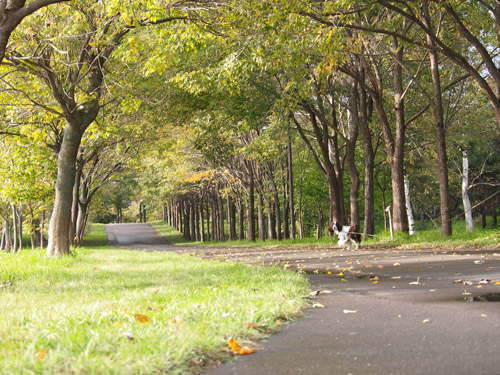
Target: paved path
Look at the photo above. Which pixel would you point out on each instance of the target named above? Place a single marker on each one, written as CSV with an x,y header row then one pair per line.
x,y
397,311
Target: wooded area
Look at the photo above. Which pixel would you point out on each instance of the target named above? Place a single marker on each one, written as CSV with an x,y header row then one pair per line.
x,y
247,119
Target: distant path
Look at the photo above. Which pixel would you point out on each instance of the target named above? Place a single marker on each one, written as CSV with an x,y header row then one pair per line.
x,y
135,235
388,311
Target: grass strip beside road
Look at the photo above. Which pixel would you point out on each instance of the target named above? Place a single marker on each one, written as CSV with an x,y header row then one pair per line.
x,y
108,311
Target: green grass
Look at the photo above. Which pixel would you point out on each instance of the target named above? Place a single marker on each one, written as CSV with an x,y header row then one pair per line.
x,y
489,237
80,310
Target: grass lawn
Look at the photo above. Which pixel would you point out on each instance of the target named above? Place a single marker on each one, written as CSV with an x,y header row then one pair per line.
x,y
107,311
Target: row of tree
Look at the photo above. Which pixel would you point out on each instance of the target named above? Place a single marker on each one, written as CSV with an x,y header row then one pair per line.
x,y
254,100
371,88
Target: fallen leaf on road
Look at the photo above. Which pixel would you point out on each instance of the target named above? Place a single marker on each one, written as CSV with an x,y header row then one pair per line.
x,y
497,283
396,264
467,282
426,321
350,311
317,305
314,293
415,282
457,281
236,348
484,281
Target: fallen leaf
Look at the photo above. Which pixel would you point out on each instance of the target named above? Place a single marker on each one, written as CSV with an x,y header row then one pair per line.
x,y
350,311
236,348
467,282
340,274
278,323
343,280
317,305
374,278
251,325
286,266
415,282
497,283
314,293
396,264
325,291
426,321
484,281
457,281
142,318
40,355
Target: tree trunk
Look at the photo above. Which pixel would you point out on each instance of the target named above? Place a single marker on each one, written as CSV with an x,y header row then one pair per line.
x,y
409,209
469,223
260,216
444,191
222,231
60,220
400,220
241,220
251,209
231,216
291,203
81,222
75,206
202,221
369,163
192,219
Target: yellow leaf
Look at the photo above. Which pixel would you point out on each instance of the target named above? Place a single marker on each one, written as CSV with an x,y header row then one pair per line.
x,y
40,355
142,318
236,348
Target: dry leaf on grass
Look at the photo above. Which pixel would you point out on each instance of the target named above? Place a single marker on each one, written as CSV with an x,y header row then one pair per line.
x,y
40,355
251,325
236,348
142,318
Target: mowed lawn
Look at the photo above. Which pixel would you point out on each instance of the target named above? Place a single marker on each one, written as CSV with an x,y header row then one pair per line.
x,y
107,311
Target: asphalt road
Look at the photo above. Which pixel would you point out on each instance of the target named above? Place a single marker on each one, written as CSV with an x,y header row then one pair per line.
x,y
385,311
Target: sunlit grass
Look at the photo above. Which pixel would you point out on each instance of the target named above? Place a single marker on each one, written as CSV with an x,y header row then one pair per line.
x,y
76,314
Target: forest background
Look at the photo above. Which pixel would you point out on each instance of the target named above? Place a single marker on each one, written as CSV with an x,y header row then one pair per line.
x,y
247,119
